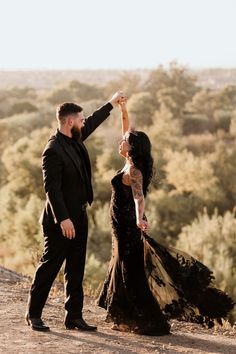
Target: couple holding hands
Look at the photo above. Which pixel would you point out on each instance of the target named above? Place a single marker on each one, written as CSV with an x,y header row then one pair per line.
x,y
147,284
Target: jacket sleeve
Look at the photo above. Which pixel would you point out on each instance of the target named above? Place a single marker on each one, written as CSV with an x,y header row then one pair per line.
x,y
93,121
52,179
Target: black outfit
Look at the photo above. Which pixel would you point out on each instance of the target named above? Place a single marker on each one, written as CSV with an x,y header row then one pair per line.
x,y
147,284
67,181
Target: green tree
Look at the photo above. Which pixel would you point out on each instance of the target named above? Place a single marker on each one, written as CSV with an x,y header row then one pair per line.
x,y
106,166
23,164
232,128
20,125
85,92
174,87
99,241
168,211
130,83
141,108
200,144
191,174
22,199
196,123
22,93
227,98
204,102
61,95
22,107
164,133
223,162
212,240
95,272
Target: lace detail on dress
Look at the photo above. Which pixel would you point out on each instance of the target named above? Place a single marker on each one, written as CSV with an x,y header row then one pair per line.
x,y
147,284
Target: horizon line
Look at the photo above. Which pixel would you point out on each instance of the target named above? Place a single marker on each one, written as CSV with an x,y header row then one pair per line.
x,y
119,69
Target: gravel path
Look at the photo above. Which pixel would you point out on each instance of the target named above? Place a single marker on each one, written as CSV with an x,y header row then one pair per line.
x,y
17,338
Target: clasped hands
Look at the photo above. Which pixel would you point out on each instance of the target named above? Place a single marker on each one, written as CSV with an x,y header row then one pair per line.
x,y
118,98
67,227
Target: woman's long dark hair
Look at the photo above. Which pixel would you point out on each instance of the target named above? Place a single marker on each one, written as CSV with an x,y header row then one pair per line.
x,y
140,152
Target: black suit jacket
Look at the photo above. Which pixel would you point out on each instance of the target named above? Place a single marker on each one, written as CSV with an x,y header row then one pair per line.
x,y
63,173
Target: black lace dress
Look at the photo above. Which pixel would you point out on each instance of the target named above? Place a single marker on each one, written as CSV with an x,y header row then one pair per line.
x,y
147,284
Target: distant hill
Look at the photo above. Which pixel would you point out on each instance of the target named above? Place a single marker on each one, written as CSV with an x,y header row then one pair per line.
x,y
216,78
46,79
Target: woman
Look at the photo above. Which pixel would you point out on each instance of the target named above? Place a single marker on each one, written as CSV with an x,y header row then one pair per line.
x,y
147,284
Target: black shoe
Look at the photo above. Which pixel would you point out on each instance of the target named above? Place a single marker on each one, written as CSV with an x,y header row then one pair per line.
x,y
79,324
36,324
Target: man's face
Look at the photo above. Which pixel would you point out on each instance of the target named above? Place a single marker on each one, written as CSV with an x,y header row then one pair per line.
x,y
78,123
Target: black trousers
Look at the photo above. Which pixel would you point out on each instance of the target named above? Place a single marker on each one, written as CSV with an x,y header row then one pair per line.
x,y
57,250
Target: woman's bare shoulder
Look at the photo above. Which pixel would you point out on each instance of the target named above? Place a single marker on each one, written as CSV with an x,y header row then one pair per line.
x,y
134,172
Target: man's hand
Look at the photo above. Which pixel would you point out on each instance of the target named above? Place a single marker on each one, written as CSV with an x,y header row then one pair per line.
x,y
68,229
117,98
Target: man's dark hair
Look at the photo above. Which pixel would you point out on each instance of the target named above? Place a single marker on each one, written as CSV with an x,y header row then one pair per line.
x,y
67,108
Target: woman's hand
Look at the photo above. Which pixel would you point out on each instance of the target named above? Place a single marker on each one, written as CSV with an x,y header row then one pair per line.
x,y
143,225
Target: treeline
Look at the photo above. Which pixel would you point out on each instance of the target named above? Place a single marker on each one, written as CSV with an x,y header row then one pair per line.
x,y
191,204
45,79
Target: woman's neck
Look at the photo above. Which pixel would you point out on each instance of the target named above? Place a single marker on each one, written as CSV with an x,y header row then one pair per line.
x,y
128,163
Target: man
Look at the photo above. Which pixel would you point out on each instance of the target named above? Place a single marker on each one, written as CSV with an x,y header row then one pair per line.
x,y
67,182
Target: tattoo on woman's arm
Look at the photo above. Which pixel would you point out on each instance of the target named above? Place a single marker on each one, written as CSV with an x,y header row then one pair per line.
x,y
136,180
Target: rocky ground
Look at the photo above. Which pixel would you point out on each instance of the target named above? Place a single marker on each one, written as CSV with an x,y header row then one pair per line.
x,y
17,338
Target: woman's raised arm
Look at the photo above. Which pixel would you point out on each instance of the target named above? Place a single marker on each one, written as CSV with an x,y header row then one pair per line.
x,y
124,117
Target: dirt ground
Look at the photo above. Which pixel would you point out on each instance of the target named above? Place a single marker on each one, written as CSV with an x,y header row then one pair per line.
x,y
17,338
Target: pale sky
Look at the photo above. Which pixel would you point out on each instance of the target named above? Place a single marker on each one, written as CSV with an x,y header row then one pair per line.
x,y
124,34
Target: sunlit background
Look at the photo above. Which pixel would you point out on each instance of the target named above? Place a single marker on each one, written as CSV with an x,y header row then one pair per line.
x,y
176,60
69,34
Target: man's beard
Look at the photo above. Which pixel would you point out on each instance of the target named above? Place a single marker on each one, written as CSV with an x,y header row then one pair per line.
x,y
76,133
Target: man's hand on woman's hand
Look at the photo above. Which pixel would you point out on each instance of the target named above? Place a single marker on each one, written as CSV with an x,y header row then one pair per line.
x,y
68,229
118,98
